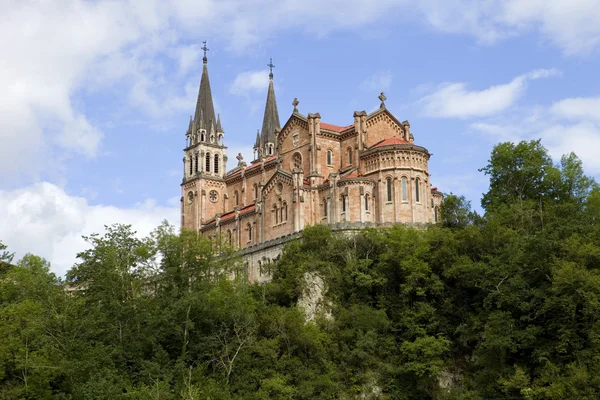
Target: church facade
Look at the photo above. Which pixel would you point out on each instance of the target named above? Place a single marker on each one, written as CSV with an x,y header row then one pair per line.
x,y
306,172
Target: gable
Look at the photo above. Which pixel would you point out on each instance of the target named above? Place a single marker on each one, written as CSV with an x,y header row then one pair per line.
x,y
383,125
295,124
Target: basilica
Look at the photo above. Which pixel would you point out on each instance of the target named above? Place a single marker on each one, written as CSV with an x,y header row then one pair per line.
x,y
306,172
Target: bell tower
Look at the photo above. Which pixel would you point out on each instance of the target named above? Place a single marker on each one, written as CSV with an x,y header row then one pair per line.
x,y
204,160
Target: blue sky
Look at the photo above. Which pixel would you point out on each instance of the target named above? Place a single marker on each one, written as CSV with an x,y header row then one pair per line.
x,y
98,93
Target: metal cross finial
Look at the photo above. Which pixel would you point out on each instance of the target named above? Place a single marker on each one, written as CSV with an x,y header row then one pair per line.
x,y
383,99
205,50
271,66
295,104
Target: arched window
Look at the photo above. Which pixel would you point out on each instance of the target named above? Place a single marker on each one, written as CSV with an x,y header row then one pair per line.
x,y
249,227
284,212
417,190
297,161
203,136
349,155
255,191
389,188
207,166
196,169
229,237
191,165
329,157
216,163
325,207
236,198
404,194
275,211
367,202
343,203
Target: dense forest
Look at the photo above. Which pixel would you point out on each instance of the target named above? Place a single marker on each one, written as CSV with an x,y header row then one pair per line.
x,y
503,305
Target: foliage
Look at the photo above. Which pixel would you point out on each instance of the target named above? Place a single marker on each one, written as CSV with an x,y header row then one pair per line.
x,y
502,305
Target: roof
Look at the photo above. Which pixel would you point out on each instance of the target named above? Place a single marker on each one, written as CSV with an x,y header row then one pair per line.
x,y
335,128
390,142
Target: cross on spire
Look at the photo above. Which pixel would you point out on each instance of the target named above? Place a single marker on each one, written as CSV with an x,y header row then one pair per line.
x,y
205,50
271,66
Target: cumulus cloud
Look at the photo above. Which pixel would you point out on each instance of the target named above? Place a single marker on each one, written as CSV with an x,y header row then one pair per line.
x,y
568,125
379,81
45,220
569,24
454,100
578,108
250,82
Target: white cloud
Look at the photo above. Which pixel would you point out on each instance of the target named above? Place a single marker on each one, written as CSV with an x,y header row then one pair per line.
x,y
582,138
572,25
44,220
569,125
250,82
578,108
454,100
378,82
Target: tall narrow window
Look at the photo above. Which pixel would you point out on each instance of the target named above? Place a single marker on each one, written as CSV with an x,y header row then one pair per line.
x,y
297,160
216,163
249,232
229,237
276,215
417,190
389,189
435,214
325,207
207,166
367,202
255,191
329,157
191,165
236,198
203,136
349,156
404,194
285,214
196,169
343,203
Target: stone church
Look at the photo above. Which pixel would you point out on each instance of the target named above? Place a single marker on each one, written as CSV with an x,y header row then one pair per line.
x,y
306,172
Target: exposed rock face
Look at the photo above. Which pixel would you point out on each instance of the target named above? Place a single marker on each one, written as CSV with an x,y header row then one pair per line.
x,y
312,301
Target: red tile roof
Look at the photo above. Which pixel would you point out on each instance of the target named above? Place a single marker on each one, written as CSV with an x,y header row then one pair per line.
x,y
353,174
389,142
231,214
335,128
252,166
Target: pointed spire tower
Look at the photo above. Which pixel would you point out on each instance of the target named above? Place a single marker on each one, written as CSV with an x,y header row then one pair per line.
x,y
204,116
270,119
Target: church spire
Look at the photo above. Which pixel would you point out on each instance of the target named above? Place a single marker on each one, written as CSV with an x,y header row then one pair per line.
x,y
205,111
271,117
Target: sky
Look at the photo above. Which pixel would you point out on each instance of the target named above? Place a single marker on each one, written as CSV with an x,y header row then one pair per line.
x,y
96,95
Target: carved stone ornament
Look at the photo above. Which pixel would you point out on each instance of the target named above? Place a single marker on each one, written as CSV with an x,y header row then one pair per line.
x,y
190,196
295,140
